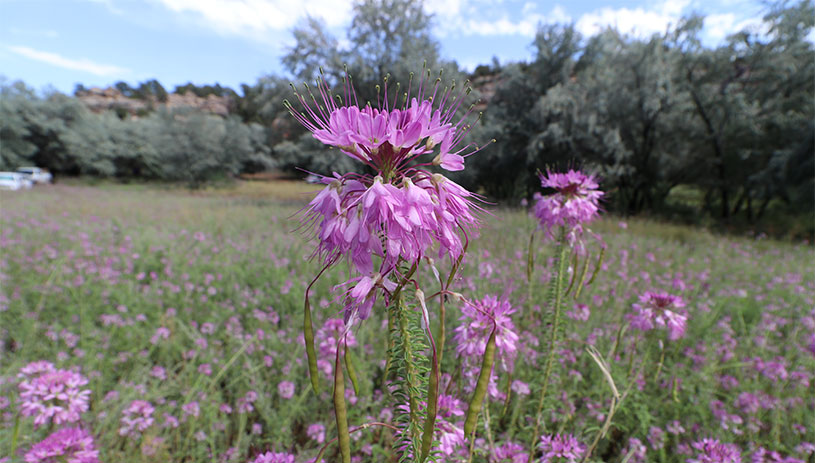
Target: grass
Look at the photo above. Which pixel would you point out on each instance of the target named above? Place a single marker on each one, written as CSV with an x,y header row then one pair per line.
x,y
91,274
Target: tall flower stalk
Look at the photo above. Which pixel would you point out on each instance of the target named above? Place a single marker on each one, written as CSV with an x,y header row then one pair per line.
x,y
392,215
562,217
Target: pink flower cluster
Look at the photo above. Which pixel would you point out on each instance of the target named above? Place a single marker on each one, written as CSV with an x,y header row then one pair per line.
x,y
137,417
477,320
401,213
274,457
662,310
70,445
450,425
49,394
575,203
713,451
561,448
328,337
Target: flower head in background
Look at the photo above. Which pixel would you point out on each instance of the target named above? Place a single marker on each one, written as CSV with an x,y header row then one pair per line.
x,y
561,448
274,457
316,431
399,211
477,321
54,395
136,418
509,452
71,445
286,389
713,451
35,369
660,310
574,204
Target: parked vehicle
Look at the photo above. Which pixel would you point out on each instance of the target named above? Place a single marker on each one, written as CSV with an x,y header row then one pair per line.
x,y
14,181
36,174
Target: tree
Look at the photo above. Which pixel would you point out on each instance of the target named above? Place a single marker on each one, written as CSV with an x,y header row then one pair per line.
x,y
314,48
18,106
752,100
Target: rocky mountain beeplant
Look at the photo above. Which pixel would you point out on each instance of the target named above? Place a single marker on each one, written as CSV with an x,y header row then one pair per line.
x,y
387,220
563,216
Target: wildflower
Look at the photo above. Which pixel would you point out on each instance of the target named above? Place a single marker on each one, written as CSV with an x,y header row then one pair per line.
x,y
713,451
401,211
520,387
274,457
561,448
54,395
581,312
36,369
191,409
286,389
636,451
509,452
654,310
158,373
763,455
477,323
72,445
137,417
170,421
574,204
316,431
656,437
327,337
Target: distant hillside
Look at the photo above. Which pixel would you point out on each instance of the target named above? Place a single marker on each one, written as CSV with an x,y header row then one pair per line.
x,y
100,100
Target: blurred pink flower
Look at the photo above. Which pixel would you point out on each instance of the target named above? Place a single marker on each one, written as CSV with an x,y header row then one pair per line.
x,y
54,395
71,445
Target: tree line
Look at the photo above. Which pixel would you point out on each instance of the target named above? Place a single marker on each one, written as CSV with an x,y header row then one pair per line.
x,y
666,121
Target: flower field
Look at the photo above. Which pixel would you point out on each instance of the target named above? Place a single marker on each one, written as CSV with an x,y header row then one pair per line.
x,y
140,324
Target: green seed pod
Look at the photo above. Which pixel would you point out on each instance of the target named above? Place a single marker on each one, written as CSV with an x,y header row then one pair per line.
x,y
481,387
352,374
597,266
308,335
341,413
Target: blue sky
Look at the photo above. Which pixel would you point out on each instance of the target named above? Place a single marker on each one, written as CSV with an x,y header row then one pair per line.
x,y
60,43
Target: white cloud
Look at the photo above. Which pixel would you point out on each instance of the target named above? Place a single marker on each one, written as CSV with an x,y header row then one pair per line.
x,y
256,19
639,22
527,26
719,26
82,64
643,23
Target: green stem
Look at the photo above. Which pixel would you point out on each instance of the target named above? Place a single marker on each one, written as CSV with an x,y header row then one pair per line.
x,y
432,410
530,269
340,411
14,434
308,337
411,380
558,289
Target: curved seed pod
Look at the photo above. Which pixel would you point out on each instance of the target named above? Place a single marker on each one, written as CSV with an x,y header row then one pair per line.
x,y
308,332
597,266
582,277
352,374
481,387
340,412
574,273
308,335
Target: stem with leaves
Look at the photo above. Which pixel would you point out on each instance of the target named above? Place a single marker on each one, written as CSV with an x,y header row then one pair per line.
x,y
557,288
